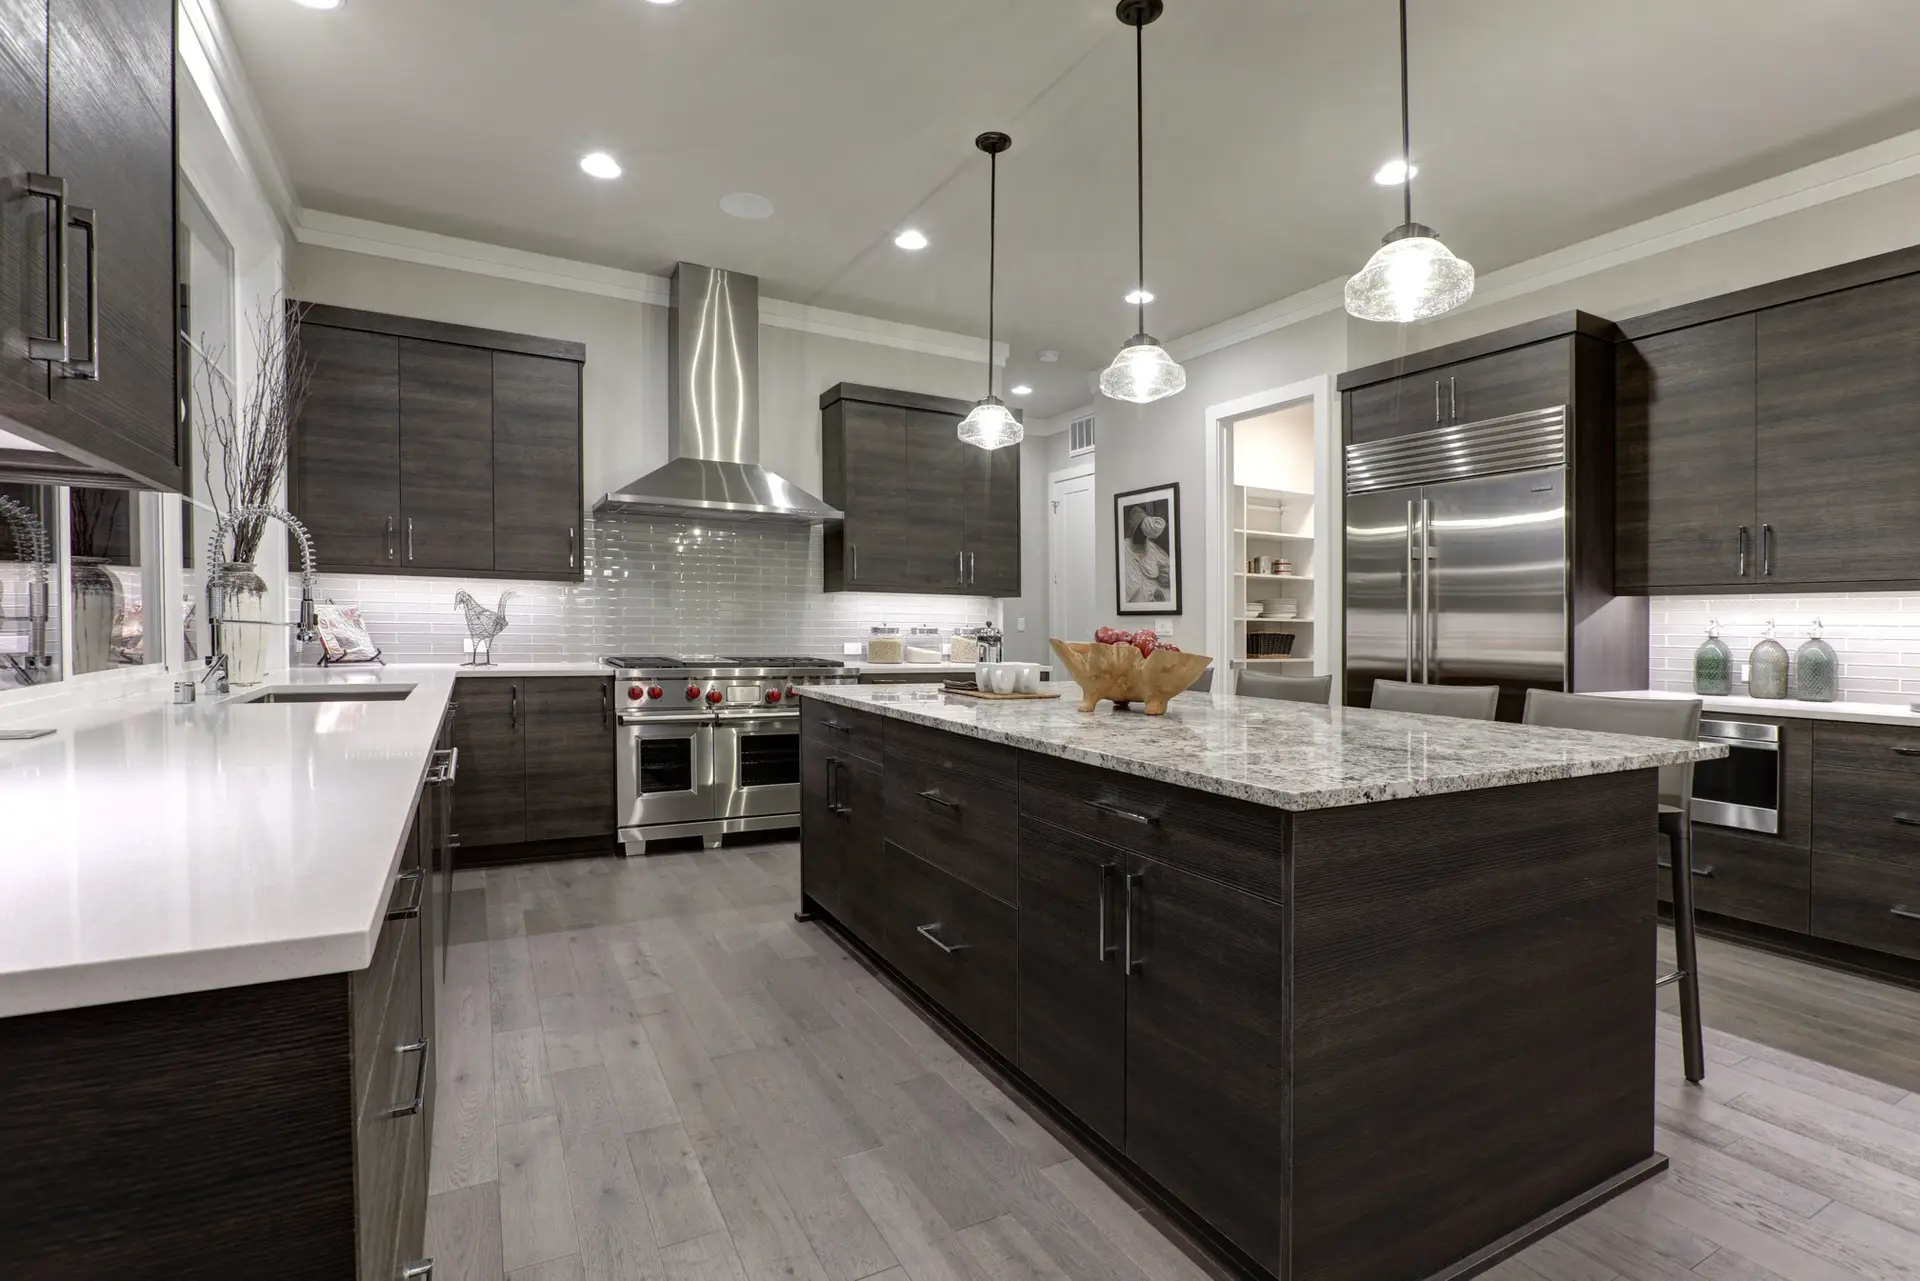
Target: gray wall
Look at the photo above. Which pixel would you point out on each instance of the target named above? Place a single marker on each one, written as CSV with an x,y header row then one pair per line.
x,y
1039,456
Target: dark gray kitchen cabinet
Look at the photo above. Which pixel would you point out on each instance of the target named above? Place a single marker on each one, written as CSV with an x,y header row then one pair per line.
x,y
446,454
536,465
925,512
536,767
86,99
1684,458
428,448
1533,376
569,757
490,791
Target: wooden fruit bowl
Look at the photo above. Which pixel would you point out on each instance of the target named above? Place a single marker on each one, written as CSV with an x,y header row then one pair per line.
x,y
1118,674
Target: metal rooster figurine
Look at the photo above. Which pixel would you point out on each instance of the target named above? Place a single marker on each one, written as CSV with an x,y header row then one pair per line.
x,y
483,625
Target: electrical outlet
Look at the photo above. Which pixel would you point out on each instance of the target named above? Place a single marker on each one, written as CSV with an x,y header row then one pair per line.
x,y
851,649
1743,673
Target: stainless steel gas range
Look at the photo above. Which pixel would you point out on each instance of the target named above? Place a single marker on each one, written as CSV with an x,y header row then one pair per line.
x,y
710,745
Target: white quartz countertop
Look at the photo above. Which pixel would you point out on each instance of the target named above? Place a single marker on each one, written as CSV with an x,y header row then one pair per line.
x,y
1791,708
1288,755
153,849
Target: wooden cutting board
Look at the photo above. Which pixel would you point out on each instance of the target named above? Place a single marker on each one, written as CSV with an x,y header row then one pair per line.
x,y
968,691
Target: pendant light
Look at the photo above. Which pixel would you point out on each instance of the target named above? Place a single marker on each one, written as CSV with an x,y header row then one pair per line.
x,y
992,425
1412,276
1143,372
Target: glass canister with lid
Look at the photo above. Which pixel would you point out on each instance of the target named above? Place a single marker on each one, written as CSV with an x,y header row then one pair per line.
x,y
1816,669
923,644
1767,675
884,644
965,645
1713,664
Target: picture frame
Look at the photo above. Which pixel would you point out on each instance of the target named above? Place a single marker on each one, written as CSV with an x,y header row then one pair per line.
x,y
1146,551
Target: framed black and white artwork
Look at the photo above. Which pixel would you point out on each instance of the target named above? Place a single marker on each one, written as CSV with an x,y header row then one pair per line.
x,y
1146,528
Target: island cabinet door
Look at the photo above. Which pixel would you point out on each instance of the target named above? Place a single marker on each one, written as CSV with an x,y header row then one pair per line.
x,y
490,794
1072,992
864,897
1206,1021
822,829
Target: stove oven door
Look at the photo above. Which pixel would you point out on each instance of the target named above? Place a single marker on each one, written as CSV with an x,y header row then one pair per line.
x,y
756,764
665,771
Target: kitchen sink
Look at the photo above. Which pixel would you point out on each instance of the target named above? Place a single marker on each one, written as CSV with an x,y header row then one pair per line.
x,y
333,694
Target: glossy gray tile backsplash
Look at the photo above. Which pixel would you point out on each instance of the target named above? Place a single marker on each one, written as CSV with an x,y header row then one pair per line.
x,y
1875,634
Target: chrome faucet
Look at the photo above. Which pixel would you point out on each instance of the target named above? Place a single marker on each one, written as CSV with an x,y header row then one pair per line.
x,y
307,630
30,536
217,673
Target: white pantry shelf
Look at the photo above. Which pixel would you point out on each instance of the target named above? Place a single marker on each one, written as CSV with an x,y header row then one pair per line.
x,y
1282,578
1274,533
1262,618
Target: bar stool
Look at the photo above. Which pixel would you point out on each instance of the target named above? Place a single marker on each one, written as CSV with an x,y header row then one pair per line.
x,y
1288,689
1468,702
1653,718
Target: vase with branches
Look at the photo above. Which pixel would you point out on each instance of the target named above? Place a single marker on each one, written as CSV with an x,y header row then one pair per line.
x,y
244,435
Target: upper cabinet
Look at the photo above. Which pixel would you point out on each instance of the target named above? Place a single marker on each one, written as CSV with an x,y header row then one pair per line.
x,y
1765,439
925,512
87,275
1461,391
426,448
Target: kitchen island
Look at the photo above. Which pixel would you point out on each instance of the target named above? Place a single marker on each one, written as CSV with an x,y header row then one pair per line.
x,y
1356,996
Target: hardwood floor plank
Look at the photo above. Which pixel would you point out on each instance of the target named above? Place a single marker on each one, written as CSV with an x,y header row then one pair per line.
x,y
1553,1259
1899,1246
463,1233
1725,1265
638,1085
1634,1212
522,1085
552,957
536,1221
567,1269
1159,1259
609,1208
1708,1173
1005,1251
465,1148
678,1198
1798,1249
703,1258
1835,1126
913,1230
676,1045
569,1050
510,978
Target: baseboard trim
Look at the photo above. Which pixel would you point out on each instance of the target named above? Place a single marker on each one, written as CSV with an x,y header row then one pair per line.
x,y
1552,1221
471,856
1844,957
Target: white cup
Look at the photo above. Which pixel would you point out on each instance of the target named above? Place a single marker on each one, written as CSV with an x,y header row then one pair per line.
x,y
1026,678
1003,677
981,680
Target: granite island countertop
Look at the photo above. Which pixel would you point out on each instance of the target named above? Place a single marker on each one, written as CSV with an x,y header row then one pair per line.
x,y
152,849
1291,756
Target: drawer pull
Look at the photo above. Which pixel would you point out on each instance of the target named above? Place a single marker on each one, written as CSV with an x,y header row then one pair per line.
x,y
1106,807
419,1099
935,798
1704,873
1904,913
1907,820
931,933
418,877
844,729
1906,751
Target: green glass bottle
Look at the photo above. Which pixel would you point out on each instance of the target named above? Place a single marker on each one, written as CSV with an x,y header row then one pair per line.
x,y
1816,669
1767,675
1713,664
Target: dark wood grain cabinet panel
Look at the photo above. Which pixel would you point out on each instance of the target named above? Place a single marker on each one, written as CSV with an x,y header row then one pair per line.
x,y
865,462
1747,878
446,454
490,792
990,528
956,943
1838,474
1395,408
951,801
569,758
25,250
1684,455
937,494
346,451
1534,376
1867,902
536,465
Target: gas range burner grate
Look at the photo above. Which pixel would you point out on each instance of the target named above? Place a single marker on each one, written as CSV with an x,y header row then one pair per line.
x,y
783,661
642,660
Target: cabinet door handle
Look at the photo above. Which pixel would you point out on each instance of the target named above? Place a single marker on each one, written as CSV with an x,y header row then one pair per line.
x,y
1436,400
1906,751
934,798
1128,961
389,538
844,729
960,567
1740,544
513,707
1107,807
931,933
89,221
832,805
1106,909
1704,873
412,908
1907,820
972,577
422,1270
572,549
419,1099
603,704
409,540
52,346
856,562
1453,402
1766,551
1903,912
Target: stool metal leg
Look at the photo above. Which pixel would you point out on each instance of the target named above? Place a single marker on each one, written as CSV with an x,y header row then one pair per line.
x,y
1692,1039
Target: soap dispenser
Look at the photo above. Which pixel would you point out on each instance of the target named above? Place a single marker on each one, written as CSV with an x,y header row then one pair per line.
x,y
1713,664
1816,669
1767,675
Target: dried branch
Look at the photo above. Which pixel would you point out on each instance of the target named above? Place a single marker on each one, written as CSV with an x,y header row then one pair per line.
x,y
243,448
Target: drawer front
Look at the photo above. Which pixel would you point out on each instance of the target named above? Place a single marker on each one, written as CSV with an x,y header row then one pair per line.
x,y
394,1075
956,944
372,992
863,853
380,1177
1239,844
842,729
1840,747
1867,812
1747,879
957,810
1866,903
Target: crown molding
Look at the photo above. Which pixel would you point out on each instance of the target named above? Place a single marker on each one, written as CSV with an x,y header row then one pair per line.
x,y
431,249
1291,310
207,51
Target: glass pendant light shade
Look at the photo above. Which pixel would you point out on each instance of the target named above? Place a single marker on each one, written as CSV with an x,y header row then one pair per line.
x,y
1143,372
1412,276
991,425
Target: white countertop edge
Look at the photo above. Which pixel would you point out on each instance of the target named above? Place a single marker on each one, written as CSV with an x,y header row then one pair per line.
x,y
1791,708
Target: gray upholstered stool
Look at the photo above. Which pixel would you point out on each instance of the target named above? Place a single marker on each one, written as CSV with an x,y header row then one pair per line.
x,y
1469,702
1289,689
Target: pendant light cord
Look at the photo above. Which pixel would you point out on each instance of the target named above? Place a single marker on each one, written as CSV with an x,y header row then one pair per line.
x,y
1406,128
1140,158
993,250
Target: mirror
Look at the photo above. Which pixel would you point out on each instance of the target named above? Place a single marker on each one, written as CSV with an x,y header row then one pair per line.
x,y
29,554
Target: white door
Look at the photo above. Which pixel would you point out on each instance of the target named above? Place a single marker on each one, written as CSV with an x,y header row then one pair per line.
x,y
1073,611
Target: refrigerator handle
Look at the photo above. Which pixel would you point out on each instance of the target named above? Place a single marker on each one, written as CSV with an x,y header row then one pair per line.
x,y
1426,597
1413,633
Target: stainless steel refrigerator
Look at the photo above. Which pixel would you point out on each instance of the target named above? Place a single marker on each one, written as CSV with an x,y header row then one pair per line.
x,y
1461,562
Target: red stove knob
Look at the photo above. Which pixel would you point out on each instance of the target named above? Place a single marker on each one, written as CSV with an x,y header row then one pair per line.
x,y
715,696
773,696
633,692
655,692
790,691
693,692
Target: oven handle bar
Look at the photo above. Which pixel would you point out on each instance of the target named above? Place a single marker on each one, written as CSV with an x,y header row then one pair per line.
x,y
628,722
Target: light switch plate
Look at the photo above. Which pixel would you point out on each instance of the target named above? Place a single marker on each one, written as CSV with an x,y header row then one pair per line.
x,y
1020,623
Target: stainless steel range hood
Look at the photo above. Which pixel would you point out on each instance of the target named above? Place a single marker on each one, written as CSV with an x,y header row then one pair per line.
x,y
713,413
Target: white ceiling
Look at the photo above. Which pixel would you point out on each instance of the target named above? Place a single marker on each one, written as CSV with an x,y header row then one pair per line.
x,y
1535,125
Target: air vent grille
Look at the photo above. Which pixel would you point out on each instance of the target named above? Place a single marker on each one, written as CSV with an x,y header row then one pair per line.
x,y
1080,436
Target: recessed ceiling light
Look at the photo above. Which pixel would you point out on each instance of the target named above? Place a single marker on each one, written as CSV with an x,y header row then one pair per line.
x,y
320,4
1139,298
1021,390
744,204
663,1
1395,172
600,165
911,239
1049,356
